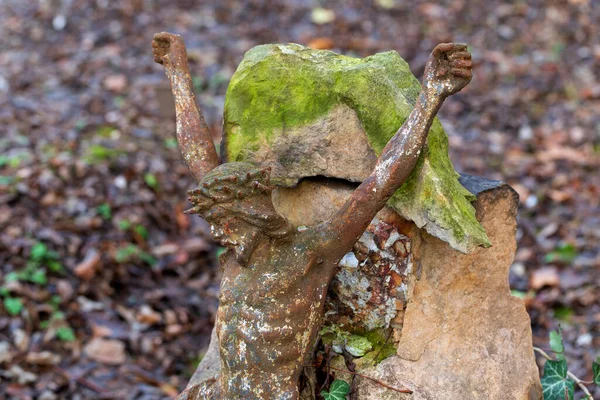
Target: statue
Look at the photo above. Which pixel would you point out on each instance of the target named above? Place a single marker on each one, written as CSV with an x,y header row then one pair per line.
x,y
275,277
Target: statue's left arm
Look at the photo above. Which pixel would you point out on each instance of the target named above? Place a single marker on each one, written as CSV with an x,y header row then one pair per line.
x,y
447,72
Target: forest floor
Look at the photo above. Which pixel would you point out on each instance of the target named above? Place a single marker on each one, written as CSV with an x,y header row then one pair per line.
x,y
109,291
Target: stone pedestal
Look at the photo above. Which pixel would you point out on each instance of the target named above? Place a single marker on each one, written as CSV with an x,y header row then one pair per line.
x,y
464,335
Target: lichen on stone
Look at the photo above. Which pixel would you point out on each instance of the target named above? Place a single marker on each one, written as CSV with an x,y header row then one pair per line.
x,y
278,89
370,348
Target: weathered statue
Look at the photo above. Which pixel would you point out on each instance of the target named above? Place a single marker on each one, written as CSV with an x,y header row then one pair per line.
x,y
275,277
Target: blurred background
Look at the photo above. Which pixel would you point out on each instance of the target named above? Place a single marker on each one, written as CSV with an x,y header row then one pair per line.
x,y
109,291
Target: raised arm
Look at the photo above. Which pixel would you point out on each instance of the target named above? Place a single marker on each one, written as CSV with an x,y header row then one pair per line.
x,y
447,72
195,142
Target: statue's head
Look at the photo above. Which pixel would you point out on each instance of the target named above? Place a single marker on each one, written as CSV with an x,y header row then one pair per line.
x,y
235,199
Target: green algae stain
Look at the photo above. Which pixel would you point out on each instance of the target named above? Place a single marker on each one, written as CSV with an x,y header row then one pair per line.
x,y
278,87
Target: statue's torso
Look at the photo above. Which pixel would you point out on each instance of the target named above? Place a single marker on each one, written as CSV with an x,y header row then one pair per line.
x,y
268,317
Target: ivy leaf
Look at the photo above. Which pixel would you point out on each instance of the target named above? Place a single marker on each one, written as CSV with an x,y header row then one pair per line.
x,y
151,180
104,210
12,277
556,343
13,305
38,276
142,231
124,225
147,258
55,266
596,370
337,391
65,334
39,251
555,384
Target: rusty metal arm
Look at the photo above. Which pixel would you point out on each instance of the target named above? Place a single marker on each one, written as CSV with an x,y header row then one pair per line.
x,y
395,164
448,71
193,136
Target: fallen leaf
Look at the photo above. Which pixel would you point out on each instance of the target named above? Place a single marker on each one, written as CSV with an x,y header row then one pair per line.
x,y
5,353
87,268
116,83
183,221
106,351
169,389
147,315
42,358
321,43
101,331
23,377
545,276
21,339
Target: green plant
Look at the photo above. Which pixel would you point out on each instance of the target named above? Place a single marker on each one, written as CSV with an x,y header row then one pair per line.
x,y
105,131
104,210
138,229
170,143
142,231
337,391
14,160
13,305
558,383
57,319
124,225
65,333
97,153
131,252
151,180
6,180
564,253
40,258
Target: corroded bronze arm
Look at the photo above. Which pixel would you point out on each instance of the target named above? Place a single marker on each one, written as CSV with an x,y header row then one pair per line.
x,y
194,139
447,72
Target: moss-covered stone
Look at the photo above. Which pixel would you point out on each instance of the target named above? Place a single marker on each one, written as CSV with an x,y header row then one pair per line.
x,y
278,88
370,348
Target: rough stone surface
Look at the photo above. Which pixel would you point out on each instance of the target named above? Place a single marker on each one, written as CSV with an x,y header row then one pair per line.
x,y
330,146
464,335
210,365
316,113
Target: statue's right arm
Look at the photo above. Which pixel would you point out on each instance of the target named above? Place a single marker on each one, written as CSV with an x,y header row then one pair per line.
x,y
193,136
448,71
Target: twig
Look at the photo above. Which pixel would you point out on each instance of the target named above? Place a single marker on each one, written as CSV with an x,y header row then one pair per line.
x,y
385,344
578,381
82,381
364,376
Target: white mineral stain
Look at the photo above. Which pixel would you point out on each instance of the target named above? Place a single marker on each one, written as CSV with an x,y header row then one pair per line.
x,y
349,261
394,237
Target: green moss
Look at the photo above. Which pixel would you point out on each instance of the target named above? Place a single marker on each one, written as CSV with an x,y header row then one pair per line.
x,y
383,346
277,87
371,348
